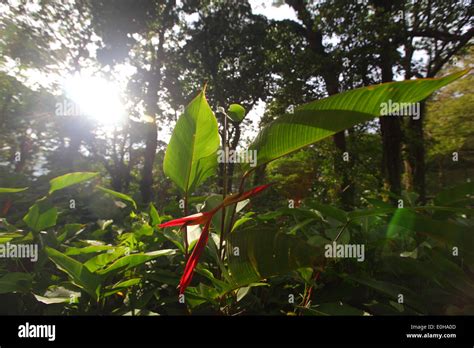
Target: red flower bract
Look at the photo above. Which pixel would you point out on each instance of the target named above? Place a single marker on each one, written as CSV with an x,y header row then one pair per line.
x,y
196,219
194,258
205,219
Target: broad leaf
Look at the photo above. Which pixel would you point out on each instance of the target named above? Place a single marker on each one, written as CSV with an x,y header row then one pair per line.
x,y
263,252
121,286
91,249
154,216
80,275
37,220
134,260
191,156
102,260
67,180
320,119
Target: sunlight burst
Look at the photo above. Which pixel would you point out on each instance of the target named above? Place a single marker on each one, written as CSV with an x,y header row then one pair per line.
x,y
97,98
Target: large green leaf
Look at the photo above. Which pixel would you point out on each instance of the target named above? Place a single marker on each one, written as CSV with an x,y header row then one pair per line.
x,y
69,179
80,275
118,195
37,220
319,119
134,260
264,252
102,260
191,156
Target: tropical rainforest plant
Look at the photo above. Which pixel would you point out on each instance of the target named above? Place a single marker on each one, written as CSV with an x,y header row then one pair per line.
x,y
135,268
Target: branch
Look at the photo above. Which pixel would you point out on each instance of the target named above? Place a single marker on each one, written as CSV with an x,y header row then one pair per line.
x,y
462,42
440,35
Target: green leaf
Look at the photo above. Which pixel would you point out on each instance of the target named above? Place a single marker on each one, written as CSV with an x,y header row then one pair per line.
x,y
37,220
242,292
134,260
264,252
320,119
140,230
70,231
121,286
67,180
80,275
91,249
15,282
100,261
191,156
154,216
119,195
12,190
236,112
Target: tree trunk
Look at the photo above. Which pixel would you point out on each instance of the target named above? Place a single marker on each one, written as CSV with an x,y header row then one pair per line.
x,y
416,153
233,146
151,144
151,139
330,76
391,153
390,125
347,186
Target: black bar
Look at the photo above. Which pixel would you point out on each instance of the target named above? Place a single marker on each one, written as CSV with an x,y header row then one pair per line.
x,y
136,331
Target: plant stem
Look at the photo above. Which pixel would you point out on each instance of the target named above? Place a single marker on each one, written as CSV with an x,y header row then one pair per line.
x,y
224,188
307,296
185,227
342,230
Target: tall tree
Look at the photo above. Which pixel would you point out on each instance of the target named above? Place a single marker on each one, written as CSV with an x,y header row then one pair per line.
x,y
393,37
441,28
331,66
136,32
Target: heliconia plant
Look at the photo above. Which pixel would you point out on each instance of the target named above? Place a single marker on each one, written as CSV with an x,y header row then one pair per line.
x,y
205,219
191,158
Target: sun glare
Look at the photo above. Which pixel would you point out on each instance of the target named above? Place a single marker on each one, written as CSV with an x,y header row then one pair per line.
x,y
97,98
